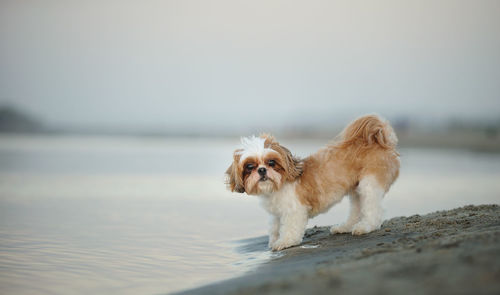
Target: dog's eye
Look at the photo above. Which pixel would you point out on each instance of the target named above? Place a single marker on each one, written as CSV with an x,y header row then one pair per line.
x,y
271,163
249,167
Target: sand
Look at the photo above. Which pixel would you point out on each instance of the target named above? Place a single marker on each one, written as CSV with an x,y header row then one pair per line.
x,y
446,252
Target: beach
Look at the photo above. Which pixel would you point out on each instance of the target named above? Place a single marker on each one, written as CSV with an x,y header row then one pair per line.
x,y
446,252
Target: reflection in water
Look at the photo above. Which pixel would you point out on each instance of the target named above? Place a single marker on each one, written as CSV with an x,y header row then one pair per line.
x,y
124,215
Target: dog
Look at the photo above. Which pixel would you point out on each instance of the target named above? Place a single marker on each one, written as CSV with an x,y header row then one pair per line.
x,y
361,163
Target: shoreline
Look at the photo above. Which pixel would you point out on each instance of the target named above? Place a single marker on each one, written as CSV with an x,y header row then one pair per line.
x,y
447,252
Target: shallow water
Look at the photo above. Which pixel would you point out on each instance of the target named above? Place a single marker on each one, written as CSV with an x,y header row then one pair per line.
x,y
149,215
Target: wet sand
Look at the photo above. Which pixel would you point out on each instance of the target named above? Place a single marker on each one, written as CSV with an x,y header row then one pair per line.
x,y
446,252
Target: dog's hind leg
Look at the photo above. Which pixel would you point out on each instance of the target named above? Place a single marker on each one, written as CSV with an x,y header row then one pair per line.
x,y
371,194
354,215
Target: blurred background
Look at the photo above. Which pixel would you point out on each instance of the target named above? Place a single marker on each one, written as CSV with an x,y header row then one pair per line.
x,y
118,120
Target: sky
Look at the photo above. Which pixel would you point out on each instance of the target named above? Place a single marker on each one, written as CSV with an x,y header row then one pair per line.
x,y
234,64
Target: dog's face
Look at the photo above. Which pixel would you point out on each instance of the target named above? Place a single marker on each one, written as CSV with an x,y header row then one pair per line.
x,y
261,166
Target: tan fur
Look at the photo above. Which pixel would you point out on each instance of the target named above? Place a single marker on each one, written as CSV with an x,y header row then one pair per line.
x,y
234,179
366,131
292,165
365,148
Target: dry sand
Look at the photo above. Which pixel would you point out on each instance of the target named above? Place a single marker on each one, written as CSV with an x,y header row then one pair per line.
x,y
446,252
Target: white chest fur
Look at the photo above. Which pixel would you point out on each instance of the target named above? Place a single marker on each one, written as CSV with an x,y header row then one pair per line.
x,y
285,201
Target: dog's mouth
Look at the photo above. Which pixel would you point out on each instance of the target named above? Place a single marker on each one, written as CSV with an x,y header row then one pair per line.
x,y
263,178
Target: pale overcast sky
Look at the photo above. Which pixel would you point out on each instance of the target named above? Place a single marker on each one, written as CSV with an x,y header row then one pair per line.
x,y
248,63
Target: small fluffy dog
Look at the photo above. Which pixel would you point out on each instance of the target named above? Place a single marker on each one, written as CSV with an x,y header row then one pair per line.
x,y
363,163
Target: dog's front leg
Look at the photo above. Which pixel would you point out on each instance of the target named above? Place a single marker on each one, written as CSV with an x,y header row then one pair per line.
x,y
274,233
291,230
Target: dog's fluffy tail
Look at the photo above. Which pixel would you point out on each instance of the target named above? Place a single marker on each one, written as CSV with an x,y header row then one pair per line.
x,y
368,130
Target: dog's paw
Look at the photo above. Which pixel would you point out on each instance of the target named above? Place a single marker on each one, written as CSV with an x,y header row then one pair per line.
x,y
271,243
362,228
341,229
283,244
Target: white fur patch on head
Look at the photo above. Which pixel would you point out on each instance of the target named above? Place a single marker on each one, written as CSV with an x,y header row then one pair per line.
x,y
253,146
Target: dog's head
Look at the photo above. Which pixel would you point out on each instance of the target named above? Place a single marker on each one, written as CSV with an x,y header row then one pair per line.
x,y
261,166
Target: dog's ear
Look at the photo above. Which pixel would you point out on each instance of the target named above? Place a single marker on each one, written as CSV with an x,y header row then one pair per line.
x,y
269,140
234,182
293,164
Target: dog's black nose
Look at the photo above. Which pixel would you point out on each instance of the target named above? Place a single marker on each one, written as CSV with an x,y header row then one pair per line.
x,y
262,171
